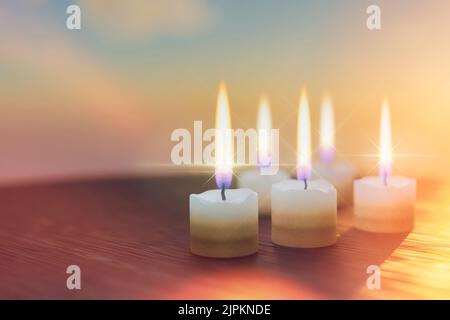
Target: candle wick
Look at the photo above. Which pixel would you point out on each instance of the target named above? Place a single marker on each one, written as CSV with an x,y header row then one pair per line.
x,y
306,183
223,192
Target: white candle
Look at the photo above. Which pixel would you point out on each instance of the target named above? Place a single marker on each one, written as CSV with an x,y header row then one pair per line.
x,y
224,223
304,213
385,203
339,174
224,229
261,180
304,218
262,185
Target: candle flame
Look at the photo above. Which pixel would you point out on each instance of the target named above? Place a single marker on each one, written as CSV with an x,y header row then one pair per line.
x,y
385,167
303,139
264,133
327,133
223,140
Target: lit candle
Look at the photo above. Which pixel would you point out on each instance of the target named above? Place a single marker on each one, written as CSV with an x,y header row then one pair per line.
x,y
304,212
385,203
338,173
224,223
261,180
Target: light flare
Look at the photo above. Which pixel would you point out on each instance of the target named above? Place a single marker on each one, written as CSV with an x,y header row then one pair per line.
x,y
385,163
327,131
223,141
303,139
264,133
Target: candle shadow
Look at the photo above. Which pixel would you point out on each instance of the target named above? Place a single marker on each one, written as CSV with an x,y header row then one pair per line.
x,y
338,271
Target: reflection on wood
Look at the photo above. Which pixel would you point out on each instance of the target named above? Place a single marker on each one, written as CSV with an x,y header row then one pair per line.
x,y
131,239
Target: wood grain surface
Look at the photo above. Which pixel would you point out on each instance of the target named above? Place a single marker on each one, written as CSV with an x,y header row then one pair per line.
x,y
130,238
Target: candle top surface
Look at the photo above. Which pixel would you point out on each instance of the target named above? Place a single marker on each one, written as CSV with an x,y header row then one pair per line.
x,y
313,185
235,196
393,181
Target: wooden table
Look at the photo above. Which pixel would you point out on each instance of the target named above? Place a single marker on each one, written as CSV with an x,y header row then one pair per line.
x,y
130,238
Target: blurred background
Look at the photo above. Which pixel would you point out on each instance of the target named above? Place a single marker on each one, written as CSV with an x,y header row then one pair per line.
x,y
105,99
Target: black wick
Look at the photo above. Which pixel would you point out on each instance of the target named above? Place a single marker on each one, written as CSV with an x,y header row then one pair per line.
x,y
306,183
223,192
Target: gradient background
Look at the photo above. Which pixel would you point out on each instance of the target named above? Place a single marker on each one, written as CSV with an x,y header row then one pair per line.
x,y
105,99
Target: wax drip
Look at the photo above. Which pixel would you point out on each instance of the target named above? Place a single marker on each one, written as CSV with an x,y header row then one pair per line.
x,y
306,183
223,192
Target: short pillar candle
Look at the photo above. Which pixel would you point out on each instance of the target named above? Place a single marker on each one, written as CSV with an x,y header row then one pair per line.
x,y
261,180
385,204
339,173
385,208
224,222
304,212
304,218
262,185
224,228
